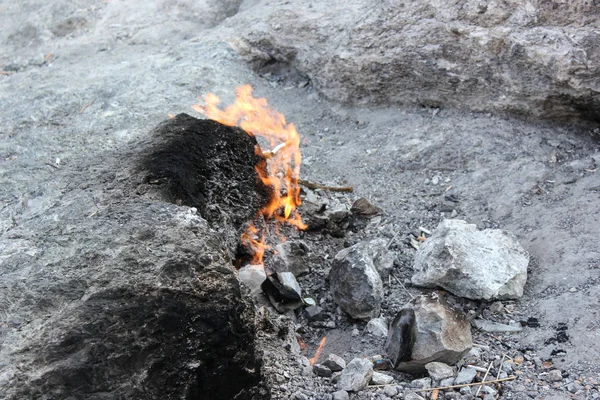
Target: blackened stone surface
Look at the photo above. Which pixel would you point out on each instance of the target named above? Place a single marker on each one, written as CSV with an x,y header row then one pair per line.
x,y
117,295
207,165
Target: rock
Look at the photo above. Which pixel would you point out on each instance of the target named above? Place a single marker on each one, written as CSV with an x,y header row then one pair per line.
x,y
252,276
377,327
438,371
140,299
357,375
383,259
315,313
489,326
427,329
363,207
379,378
527,57
322,370
447,382
554,376
340,395
335,362
291,257
410,395
283,291
355,283
422,383
465,376
480,265
390,391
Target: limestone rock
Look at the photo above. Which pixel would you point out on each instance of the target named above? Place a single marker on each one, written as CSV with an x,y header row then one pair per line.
x,y
379,378
291,257
439,371
377,327
355,283
480,265
357,375
427,329
526,57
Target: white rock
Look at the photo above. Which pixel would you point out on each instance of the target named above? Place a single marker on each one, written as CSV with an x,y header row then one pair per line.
x,y
479,265
252,276
381,379
357,375
377,327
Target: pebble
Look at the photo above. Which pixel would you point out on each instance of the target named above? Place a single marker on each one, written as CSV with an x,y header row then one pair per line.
x,y
379,378
334,362
438,370
300,396
466,375
410,395
423,383
340,395
322,370
554,376
390,391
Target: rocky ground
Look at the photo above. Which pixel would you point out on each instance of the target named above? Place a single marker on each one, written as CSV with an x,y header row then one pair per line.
x,y
85,82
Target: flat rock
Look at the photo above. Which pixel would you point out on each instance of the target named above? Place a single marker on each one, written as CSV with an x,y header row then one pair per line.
x,y
356,285
465,376
379,378
439,370
490,326
427,329
357,375
479,265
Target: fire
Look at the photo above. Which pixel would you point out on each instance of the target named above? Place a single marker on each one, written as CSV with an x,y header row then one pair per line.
x,y
315,358
255,117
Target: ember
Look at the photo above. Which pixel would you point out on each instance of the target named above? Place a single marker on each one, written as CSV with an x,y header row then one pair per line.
x,y
256,118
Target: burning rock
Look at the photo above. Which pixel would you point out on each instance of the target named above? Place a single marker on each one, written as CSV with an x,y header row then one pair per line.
x,y
479,265
427,329
355,283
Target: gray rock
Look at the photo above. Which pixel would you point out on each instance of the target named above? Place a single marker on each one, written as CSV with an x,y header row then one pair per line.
x,y
291,257
378,327
379,378
335,362
390,390
322,370
252,276
357,375
410,395
465,376
315,313
489,326
428,329
355,283
528,57
447,382
554,376
422,383
439,370
479,265
383,259
340,395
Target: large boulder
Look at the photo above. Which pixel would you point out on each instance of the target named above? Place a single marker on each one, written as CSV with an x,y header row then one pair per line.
x,y
479,265
106,291
526,57
427,329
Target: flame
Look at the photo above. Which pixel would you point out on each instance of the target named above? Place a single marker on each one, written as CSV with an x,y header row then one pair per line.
x,y
315,358
255,117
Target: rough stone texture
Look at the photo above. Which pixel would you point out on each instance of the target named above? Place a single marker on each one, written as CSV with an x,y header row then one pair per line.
x,y
526,57
378,327
439,371
357,375
465,376
439,333
379,378
112,293
252,276
335,363
322,370
481,265
291,257
340,395
355,283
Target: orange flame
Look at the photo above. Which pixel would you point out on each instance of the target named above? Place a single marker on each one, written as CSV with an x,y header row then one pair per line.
x,y
318,352
255,117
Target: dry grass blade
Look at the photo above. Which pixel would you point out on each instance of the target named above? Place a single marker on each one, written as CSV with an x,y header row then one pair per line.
x,y
86,105
484,376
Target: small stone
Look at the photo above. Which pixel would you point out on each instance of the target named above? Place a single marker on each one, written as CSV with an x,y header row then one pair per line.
x,y
252,276
447,382
554,376
340,395
322,370
334,363
465,390
488,390
355,332
300,396
574,387
378,327
438,370
423,383
489,326
410,395
357,375
497,307
315,313
390,391
381,379
465,376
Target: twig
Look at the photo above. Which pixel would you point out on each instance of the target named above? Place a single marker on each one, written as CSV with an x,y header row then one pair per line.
x,y
501,362
401,284
484,376
86,105
312,185
392,240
